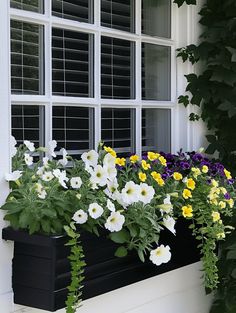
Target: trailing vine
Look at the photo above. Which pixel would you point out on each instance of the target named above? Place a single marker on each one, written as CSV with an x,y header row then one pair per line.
x,y
214,92
77,264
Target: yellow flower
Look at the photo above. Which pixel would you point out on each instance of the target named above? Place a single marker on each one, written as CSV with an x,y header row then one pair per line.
x,y
222,204
220,235
223,190
205,169
142,176
187,211
227,174
214,183
145,165
162,160
110,150
153,156
187,194
191,184
196,172
230,202
120,161
134,158
156,175
160,182
215,216
177,176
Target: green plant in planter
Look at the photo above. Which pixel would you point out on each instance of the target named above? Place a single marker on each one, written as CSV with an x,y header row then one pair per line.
x,y
133,199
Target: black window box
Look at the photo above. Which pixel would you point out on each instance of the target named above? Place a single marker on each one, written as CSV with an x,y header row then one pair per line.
x,y
41,270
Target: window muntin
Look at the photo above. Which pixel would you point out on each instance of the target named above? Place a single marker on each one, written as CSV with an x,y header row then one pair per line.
x,y
156,18
78,10
27,73
28,5
93,68
118,14
156,72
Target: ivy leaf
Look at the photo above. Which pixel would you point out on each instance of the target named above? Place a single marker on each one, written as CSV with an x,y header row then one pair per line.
x,y
121,252
121,236
184,100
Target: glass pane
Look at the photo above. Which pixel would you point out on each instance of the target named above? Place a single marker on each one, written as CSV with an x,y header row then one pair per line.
x,y
118,14
72,69
73,128
118,130
156,130
156,18
78,10
28,124
28,5
156,70
27,75
117,68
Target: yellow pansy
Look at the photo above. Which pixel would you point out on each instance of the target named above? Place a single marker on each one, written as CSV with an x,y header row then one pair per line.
x,y
214,183
142,176
215,216
120,161
220,235
222,204
187,194
205,169
196,171
145,165
153,156
190,184
223,190
177,176
162,160
110,150
230,202
134,158
227,174
187,211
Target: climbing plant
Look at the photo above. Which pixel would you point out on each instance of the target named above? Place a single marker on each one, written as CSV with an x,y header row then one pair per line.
x,y
214,91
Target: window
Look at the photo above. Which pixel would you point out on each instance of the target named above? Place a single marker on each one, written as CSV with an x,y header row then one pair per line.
x,y
83,73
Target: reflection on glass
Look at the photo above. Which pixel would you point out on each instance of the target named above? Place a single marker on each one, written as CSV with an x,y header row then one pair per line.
x,y
156,63
28,5
156,18
156,130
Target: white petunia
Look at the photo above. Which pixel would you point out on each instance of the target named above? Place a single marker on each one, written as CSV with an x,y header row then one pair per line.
x,y
112,189
90,158
160,255
109,160
130,193
95,210
99,176
40,170
80,217
13,143
111,171
45,161
51,147
28,159
110,205
13,176
61,176
29,145
39,187
47,176
167,206
64,160
169,223
42,194
115,222
146,193
76,182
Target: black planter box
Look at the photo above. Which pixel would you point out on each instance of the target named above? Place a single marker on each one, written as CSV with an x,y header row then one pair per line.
x,y
41,270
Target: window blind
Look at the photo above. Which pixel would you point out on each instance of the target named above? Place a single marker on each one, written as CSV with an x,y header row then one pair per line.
x,y
79,10
72,69
117,68
26,58
118,129
28,5
73,128
118,14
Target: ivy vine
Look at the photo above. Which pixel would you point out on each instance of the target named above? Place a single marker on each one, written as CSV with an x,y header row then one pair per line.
x,y
214,92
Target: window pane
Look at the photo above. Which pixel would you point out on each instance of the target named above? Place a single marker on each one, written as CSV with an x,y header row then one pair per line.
x,y
117,68
156,130
156,18
28,124
118,14
72,69
27,76
78,10
118,130
28,5
73,128
156,63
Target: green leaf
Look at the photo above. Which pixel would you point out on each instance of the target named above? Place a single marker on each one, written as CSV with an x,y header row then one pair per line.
x,y
121,252
141,255
121,236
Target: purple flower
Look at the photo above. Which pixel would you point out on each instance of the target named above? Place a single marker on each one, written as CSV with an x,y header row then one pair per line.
x,y
227,196
197,157
184,165
231,181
